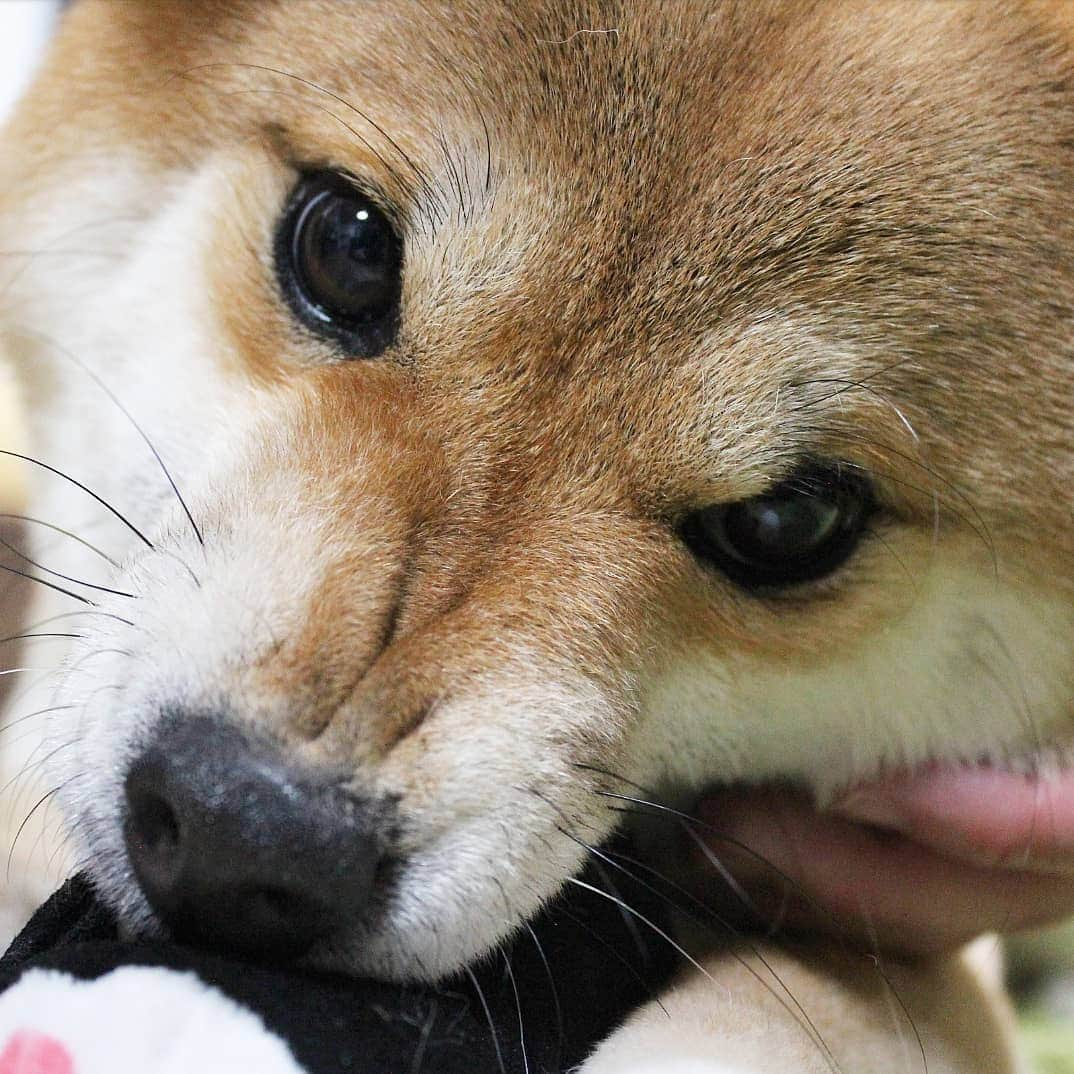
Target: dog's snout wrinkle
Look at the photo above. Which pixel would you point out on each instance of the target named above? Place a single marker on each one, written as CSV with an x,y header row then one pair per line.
x,y
234,846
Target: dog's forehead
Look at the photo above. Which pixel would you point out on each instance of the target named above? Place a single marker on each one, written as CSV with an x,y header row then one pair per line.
x,y
747,156
668,112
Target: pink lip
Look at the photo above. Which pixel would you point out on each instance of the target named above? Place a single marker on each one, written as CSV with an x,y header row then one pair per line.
x,y
983,814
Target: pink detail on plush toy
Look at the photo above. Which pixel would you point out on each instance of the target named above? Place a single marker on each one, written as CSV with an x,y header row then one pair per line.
x,y
28,1052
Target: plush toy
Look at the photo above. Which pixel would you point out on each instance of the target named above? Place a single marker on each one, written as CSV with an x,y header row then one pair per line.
x,y
79,1000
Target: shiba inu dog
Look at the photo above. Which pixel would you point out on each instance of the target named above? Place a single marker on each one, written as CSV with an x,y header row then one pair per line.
x,y
468,414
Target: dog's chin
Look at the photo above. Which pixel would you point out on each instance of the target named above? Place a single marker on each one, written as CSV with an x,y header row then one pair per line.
x,y
408,937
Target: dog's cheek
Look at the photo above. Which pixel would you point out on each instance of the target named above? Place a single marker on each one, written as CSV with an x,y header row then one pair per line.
x,y
962,665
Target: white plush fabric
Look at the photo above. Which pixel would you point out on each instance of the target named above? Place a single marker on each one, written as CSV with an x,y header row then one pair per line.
x,y
134,1020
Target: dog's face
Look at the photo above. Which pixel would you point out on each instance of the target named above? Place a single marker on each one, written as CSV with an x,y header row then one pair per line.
x,y
675,390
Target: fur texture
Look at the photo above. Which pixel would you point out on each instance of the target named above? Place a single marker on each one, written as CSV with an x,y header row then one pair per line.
x,y
656,255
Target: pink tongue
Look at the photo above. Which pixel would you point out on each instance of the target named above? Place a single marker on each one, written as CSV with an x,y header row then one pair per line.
x,y
978,813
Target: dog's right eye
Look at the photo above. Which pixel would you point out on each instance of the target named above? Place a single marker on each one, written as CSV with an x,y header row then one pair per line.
x,y
340,263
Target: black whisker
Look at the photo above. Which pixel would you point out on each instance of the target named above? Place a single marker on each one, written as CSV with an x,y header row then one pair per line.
x,y
89,492
71,615
47,584
488,150
70,669
29,767
32,733
62,844
71,357
984,533
22,827
419,174
423,179
628,921
725,874
903,566
848,385
863,382
901,1003
650,807
26,820
66,533
403,184
657,807
452,170
64,577
30,715
32,636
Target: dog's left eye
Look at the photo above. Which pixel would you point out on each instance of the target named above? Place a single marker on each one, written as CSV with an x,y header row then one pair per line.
x,y
340,264
799,531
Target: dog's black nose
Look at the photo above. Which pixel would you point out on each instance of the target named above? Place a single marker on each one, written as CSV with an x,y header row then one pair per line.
x,y
236,849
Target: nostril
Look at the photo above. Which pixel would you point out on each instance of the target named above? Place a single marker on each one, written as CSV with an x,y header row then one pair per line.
x,y
154,824
154,837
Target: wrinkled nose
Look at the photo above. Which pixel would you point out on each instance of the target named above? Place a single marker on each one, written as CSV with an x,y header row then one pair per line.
x,y
236,849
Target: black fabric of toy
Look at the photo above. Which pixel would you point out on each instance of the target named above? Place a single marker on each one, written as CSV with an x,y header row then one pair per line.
x,y
562,984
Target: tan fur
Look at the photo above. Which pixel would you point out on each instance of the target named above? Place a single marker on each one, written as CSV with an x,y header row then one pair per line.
x,y
854,1012
657,252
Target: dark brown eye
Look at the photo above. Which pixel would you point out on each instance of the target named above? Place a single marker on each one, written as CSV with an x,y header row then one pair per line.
x,y
801,530
340,263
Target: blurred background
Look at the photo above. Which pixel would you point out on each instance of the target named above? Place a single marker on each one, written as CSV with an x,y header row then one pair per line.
x,y
25,26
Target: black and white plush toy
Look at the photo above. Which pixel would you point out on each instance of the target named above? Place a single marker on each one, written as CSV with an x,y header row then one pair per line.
x,y
79,1000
